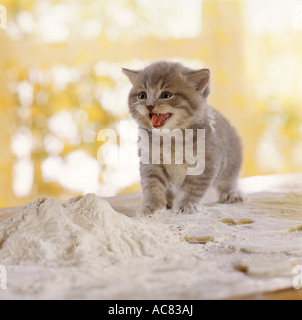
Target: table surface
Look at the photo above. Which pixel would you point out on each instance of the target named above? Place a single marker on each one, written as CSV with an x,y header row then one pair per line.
x,y
272,185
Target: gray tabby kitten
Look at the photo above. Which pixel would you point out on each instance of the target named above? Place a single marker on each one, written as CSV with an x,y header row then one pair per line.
x,y
168,95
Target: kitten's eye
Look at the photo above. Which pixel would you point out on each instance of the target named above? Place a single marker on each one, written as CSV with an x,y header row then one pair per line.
x,y
142,96
166,95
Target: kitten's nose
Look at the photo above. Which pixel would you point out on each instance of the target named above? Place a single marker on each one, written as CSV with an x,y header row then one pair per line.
x,y
150,107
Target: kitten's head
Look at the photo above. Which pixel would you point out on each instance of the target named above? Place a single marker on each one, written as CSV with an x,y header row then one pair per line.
x,y
167,95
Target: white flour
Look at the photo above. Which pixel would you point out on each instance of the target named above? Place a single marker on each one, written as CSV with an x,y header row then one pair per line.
x,y
83,229
83,249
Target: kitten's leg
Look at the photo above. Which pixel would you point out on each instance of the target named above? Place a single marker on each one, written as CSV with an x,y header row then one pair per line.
x,y
154,185
169,198
194,189
229,192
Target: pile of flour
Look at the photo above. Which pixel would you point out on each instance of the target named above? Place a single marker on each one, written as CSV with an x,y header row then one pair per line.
x,y
52,233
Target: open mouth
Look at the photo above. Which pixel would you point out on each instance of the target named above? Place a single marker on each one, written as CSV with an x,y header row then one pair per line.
x,y
159,120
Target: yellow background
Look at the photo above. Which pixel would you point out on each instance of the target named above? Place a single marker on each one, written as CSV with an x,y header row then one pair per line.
x,y
253,48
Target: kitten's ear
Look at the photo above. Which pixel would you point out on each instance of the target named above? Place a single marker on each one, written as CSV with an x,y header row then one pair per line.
x,y
200,80
133,75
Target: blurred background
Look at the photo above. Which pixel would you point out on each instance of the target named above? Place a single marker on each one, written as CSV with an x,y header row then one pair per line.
x,y
61,83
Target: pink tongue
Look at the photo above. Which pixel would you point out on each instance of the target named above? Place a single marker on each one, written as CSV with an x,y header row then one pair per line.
x,y
157,119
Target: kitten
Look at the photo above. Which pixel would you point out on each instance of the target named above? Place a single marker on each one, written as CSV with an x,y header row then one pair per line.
x,y
168,95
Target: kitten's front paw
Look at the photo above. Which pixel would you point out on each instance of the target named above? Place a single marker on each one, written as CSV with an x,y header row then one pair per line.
x,y
149,211
190,208
233,196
